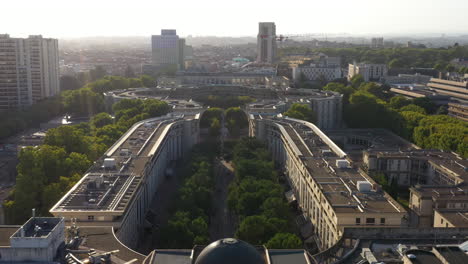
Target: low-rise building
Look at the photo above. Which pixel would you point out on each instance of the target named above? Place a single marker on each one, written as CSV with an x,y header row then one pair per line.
x,y
459,111
455,89
407,79
370,72
451,218
324,68
38,240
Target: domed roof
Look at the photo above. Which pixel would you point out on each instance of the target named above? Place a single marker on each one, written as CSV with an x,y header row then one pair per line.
x,y
229,251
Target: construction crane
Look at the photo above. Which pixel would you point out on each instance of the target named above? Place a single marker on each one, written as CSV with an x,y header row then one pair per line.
x,y
285,37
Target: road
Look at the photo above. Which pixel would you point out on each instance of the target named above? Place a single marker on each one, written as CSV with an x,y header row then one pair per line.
x,y
222,223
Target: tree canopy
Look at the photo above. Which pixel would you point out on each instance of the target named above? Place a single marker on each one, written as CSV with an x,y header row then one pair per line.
x,y
300,111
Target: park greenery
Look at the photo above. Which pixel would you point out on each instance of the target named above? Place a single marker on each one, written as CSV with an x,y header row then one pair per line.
x,y
85,101
369,105
224,101
256,197
235,120
438,58
189,221
300,111
47,172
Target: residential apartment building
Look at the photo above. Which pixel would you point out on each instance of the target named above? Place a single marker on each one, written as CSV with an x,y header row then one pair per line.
x,y
407,79
167,49
118,189
331,191
328,69
266,42
377,43
370,72
438,179
29,70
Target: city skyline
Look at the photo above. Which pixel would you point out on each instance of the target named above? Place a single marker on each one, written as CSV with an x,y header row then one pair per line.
x,y
207,18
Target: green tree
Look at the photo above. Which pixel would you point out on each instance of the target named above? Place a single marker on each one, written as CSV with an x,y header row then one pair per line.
x,y
238,115
68,137
300,111
215,128
342,89
148,81
101,120
155,108
284,241
398,102
413,108
357,80
207,117
129,73
275,207
68,82
426,103
97,73
82,102
450,68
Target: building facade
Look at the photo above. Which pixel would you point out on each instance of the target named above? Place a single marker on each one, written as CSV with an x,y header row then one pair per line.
x,y
266,42
118,189
370,72
377,43
454,89
459,111
29,70
331,192
167,48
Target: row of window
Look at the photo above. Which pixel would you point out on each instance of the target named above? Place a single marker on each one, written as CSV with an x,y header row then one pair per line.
x,y
370,221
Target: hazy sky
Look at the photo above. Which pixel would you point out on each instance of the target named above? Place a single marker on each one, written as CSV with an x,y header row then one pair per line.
x,y
72,18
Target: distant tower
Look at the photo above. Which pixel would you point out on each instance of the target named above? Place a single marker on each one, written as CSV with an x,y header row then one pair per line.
x,y
377,43
29,70
167,48
266,42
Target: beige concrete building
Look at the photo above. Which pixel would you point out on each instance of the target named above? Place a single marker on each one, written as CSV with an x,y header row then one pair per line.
x,y
117,190
29,70
451,218
454,89
331,191
370,72
459,111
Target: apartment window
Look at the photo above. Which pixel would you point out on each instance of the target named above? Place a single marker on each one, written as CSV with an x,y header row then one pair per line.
x,y
90,217
382,221
441,221
370,221
358,221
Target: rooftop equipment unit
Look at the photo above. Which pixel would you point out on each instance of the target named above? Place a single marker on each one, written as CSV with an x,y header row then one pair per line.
x,y
109,163
342,164
364,186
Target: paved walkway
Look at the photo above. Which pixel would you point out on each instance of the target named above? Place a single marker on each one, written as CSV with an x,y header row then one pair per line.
x,y
222,224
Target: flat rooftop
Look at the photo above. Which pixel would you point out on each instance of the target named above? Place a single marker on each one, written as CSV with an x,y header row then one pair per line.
x,y
339,185
458,218
450,162
110,183
39,227
371,138
103,238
